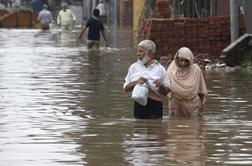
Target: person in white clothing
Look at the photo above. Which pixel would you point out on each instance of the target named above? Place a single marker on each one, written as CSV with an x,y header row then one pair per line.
x,y
150,72
102,10
17,3
66,18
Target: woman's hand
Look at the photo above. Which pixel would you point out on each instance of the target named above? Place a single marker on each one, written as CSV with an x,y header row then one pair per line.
x,y
164,90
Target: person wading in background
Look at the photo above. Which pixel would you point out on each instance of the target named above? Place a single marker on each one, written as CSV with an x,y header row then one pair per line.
x,y
101,7
45,18
66,18
95,27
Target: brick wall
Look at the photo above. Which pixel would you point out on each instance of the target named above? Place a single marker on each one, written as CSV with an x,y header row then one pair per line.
x,y
202,35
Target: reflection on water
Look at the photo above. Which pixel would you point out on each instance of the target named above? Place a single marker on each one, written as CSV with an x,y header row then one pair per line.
x,y
146,145
64,105
177,141
186,141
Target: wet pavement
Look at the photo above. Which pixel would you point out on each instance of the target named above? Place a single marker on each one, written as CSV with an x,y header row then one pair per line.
x,y
61,105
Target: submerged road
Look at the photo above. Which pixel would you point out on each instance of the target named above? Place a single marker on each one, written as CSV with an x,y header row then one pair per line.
x,y
61,105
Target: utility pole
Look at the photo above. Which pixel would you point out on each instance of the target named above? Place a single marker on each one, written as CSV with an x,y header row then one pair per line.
x,y
234,23
87,7
83,12
114,12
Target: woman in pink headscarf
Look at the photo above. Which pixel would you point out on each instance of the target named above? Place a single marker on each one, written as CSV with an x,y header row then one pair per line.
x,y
188,88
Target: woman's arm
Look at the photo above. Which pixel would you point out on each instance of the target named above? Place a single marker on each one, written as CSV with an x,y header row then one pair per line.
x,y
162,89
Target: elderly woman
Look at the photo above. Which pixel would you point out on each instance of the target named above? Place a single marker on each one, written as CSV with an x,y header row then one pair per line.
x,y
149,72
188,88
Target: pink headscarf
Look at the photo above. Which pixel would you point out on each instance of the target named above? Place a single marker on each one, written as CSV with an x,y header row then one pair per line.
x,y
188,82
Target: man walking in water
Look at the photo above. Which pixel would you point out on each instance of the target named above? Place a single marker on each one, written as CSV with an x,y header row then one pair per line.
x,y
45,18
95,26
66,18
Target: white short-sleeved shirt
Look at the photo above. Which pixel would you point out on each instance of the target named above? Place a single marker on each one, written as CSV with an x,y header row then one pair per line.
x,y
153,72
66,17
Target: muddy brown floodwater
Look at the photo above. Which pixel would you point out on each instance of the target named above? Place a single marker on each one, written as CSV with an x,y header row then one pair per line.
x,y
61,105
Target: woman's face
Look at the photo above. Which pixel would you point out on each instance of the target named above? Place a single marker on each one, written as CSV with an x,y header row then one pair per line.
x,y
182,62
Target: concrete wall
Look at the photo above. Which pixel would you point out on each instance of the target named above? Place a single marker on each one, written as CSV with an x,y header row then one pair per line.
x,y
138,6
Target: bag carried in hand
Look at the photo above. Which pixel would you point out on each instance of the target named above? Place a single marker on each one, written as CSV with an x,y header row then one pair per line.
x,y
140,94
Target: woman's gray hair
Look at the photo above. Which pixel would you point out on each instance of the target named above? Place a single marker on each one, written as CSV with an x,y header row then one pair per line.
x,y
148,44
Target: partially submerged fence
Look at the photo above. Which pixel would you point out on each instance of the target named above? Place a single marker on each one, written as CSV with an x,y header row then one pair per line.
x,y
18,19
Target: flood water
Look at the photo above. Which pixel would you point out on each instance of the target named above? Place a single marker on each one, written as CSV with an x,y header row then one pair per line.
x,y
61,105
